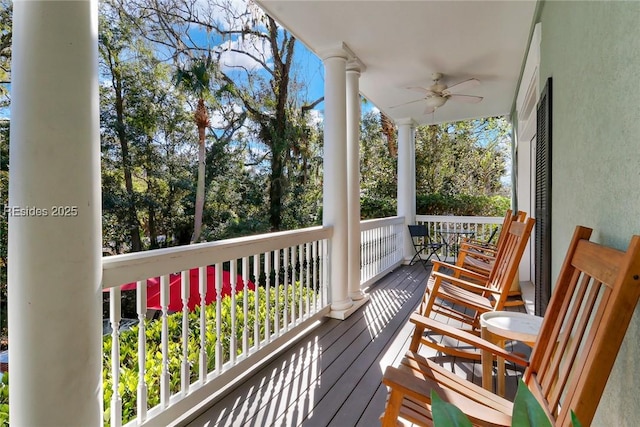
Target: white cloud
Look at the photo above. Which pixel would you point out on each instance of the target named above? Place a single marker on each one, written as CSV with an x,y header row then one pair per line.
x,y
315,117
217,116
240,53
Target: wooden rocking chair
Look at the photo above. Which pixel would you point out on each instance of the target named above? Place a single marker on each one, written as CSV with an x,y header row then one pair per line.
x,y
480,257
588,315
464,295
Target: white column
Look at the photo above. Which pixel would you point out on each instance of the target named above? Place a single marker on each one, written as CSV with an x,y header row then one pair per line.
x,y
55,308
407,180
335,176
353,178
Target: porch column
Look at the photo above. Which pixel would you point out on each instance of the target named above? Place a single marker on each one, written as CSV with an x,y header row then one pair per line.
x,y
353,178
55,309
407,180
334,199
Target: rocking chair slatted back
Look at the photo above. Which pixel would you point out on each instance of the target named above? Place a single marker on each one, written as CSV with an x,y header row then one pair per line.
x,y
573,356
481,259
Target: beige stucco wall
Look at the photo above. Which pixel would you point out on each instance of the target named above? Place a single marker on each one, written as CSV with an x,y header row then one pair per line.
x,y
592,51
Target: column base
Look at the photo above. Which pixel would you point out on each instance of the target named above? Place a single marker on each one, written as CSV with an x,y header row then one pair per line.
x,y
342,314
357,295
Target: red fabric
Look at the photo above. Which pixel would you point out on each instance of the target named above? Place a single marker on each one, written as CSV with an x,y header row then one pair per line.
x,y
175,289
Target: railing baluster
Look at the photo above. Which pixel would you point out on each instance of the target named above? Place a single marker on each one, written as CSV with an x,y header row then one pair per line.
x,y
267,292
218,282
301,286
233,278
276,269
165,378
293,286
115,317
307,250
141,308
245,306
202,288
256,324
185,373
316,287
285,258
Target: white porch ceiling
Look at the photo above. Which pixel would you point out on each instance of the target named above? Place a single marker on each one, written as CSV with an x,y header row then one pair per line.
x,y
402,43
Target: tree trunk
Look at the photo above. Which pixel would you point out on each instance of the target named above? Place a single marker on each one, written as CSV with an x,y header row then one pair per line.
x,y
197,219
134,225
275,191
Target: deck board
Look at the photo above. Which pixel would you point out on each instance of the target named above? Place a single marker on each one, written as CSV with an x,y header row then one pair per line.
x,y
332,376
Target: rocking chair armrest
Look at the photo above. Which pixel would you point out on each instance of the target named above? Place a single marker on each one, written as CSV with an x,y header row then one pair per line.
x,y
470,286
407,384
443,329
457,269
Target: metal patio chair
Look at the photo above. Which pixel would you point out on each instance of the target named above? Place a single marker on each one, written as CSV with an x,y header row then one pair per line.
x,y
423,244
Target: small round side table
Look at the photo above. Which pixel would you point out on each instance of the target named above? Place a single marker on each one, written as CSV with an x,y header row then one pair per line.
x,y
499,327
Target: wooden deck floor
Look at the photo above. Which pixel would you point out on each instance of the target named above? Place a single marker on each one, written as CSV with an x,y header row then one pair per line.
x,y
332,376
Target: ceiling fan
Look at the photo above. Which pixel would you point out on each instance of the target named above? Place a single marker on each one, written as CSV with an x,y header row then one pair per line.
x,y
439,93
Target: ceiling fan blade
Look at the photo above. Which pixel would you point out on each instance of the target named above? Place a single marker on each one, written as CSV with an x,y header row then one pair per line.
x,y
468,99
423,90
407,103
458,87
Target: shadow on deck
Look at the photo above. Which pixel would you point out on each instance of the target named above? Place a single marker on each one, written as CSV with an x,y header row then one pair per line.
x,y
332,376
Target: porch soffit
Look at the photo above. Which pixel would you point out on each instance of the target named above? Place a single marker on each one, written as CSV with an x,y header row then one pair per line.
x,y
402,43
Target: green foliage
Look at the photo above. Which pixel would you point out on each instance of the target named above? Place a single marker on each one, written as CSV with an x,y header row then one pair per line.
x,y
377,166
196,78
462,204
371,208
575,422
446,414
466,157
4,399
527,411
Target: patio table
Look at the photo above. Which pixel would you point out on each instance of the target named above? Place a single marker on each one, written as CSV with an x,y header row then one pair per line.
x,y
451,239
499,327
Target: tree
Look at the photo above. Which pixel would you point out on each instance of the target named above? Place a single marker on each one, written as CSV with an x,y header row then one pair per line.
x,y
196,80
114,40
262,84
279,120
466,157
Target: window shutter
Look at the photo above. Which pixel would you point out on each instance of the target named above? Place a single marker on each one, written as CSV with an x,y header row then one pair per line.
x,y
543,202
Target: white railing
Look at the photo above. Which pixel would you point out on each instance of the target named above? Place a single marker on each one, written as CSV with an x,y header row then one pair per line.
x,y
441,227
152,373
381,247
169,365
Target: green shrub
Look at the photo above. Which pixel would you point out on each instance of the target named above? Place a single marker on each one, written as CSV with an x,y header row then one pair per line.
x,y
462,205
375,207
438,204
